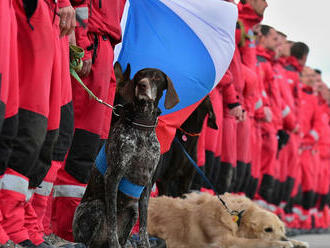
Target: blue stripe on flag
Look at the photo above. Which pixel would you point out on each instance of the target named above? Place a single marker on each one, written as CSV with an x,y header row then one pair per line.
x,y
156,37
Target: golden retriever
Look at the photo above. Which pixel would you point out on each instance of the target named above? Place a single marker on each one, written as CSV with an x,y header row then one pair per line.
x,y
201,221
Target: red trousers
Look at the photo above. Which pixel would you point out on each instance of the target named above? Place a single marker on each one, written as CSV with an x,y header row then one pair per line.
x,y
39,86
213,139
227,174
91,124
255,146
243,155
269,163
256,142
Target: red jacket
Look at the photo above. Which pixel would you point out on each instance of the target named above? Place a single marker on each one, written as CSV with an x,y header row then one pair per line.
x,y
63,3
324,142
248,17
235,69
293,70
271,91
288,107
251,87
227,89
245,39
311,122
99,16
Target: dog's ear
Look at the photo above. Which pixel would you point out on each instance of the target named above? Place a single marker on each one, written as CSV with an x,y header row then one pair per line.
x,y
171,97
125,86
118,72
127,73
120,76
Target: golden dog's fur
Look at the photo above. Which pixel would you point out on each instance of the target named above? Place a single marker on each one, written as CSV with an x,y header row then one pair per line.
x,y
200,221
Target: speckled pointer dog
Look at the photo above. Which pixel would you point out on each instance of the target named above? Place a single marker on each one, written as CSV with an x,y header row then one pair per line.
x,y
109,208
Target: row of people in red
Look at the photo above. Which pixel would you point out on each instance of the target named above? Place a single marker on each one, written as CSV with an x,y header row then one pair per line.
x,y
278,152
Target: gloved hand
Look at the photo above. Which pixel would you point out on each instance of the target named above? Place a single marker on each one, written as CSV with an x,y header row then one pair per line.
x,y
283,138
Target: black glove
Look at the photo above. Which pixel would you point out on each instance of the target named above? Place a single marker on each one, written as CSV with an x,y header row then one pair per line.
x,y
283,138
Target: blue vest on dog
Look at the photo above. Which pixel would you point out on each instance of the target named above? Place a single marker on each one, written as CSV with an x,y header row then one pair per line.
x,y
125,186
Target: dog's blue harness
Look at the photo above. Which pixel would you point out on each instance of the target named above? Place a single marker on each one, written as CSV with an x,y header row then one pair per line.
x,y
125,186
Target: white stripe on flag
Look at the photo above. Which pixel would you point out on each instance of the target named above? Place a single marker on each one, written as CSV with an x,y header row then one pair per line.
x,y
122,25
214,22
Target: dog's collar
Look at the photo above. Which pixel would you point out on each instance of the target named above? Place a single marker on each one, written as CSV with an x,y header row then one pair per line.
x,y
142,124
189,134
125,186
237,216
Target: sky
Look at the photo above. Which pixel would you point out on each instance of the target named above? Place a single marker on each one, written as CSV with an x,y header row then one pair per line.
x,y
307,21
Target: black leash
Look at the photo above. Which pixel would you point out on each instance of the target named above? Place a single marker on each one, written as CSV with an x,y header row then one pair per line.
x,y
202,174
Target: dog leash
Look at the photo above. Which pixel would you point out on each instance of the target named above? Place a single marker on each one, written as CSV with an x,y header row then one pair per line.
x,y
76,63
237,215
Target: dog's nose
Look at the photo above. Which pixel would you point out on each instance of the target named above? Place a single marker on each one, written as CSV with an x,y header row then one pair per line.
x,y
142,85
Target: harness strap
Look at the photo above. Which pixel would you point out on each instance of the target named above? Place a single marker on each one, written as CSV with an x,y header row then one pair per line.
x,y
125,186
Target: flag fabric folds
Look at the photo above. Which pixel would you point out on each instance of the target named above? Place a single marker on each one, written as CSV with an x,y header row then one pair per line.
x,y
192,41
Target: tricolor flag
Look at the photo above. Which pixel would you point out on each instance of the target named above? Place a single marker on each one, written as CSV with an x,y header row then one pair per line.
x,y
192,41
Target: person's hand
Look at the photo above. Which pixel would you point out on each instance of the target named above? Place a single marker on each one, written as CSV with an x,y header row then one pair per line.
x,y
268,114
85,70
72,38
67,20
238,113
296,129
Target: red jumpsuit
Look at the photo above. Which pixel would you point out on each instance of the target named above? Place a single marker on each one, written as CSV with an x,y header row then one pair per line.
x,y
42,197
39,114
269,162
292,70
225,174
245,39
91,119
287,123
210,143
8,95
311,126
288,156
324,163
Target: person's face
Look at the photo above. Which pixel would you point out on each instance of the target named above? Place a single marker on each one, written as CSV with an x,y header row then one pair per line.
x,y
325,92
303,60
308,76
286,48
271,41
318,82
259,6
281,41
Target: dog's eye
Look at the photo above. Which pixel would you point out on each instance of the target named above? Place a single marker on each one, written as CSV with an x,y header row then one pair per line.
x,y
268,229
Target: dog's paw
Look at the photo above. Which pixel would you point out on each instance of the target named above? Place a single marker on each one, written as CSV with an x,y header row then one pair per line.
x,y
299,244
282,244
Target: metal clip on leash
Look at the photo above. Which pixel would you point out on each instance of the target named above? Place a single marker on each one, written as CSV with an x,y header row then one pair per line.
x,y
76,63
